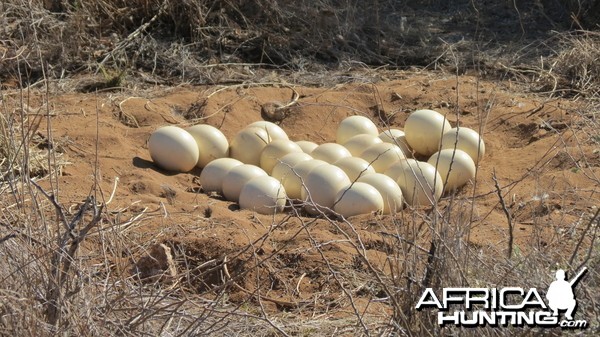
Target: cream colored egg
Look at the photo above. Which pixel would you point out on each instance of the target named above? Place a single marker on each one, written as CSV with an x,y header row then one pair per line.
x,y
420,182
248,144
359,198
390,135
382,155
397,168
213,173
293,182
396,137
455,167
330,152
354,167
286,164
237,177
355,125
307,146
467,140
274,131
173,149
359,143
275,150
212,143
264,195
424,130
322,186
389,190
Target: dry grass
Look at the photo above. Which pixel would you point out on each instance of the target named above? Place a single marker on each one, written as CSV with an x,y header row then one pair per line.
x,y
212,41
575,66
63,269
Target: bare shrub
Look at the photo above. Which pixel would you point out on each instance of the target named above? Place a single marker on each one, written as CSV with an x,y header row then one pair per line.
x,y
576,63
178,39
74,269
70,270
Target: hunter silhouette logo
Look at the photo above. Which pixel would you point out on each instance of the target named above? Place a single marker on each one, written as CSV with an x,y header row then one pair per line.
x,y
473,307
560,293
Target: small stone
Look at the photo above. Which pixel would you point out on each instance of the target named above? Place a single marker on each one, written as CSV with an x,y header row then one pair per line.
x,y
157,265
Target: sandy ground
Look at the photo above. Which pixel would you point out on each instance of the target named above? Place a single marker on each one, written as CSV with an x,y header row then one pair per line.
x,y
539,149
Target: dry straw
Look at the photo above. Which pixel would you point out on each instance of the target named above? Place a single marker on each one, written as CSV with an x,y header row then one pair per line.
x,y
62,266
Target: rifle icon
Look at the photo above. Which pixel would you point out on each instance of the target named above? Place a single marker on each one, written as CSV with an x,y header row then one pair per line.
x,y
575,279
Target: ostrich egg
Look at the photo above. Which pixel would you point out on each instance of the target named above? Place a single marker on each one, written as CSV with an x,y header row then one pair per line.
x,y
465,139
212,174
330,152
212,144
357,144
272,129
285,165
355,125
354,167
293,181
381,156
264,195
424,130
322,186
307,146
237,177
359,198
173,149
396,137
275,150
389,190
420,182
454,166
248,144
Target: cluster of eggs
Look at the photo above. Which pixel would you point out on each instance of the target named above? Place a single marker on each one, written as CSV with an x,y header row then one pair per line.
x,y
364,171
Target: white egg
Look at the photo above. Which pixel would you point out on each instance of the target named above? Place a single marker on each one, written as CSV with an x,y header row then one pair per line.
x,y
355,125
390,135
237,177
322,186
455,167
286,164
212,143
420,182
389,190
359,198
173,149
424,130
273,130
275,150
396,137
212,174
330,152
396,169
293,182
307,146
382,155
248,144
264,195
359,143
354,167
465,139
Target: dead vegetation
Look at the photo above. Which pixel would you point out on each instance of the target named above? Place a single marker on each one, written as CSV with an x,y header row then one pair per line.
x,y
223,41
575,67
83,269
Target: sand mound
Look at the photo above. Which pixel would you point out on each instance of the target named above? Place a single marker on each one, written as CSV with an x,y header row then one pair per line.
x,y
541,163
